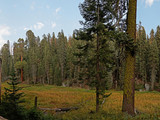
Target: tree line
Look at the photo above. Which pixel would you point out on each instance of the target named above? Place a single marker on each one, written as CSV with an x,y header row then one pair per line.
x,y
57,60
46,61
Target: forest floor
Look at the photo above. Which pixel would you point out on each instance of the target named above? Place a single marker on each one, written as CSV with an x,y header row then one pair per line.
x,y
146,103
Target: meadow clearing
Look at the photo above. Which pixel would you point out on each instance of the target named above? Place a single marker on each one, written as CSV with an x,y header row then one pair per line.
x,y
146,103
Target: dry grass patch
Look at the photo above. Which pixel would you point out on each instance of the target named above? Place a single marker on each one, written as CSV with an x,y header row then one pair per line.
x,y
148,103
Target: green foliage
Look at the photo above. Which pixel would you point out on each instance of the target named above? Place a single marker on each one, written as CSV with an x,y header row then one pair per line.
x,y
19,64
153,58
7,61
95,54
123,39
34,114
157,37
11,107
61,60
57,60
147,57
141,56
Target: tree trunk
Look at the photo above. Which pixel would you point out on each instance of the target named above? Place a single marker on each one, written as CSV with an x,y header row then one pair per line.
x,y
21,70
153,77
128,93
42,80
0,78
97,66
62,72
129,80
48,80
34,74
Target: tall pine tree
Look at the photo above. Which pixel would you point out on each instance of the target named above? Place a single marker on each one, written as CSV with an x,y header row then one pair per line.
x,y
153,59
98,16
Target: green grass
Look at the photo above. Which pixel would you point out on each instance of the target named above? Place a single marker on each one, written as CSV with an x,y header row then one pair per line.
x,y
147,103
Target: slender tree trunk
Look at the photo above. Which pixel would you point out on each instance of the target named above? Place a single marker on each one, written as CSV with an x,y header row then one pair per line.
x,y
153,76
21,70
159,76
97,66
0,78
129,80
62,72
42,80
48,80
34,74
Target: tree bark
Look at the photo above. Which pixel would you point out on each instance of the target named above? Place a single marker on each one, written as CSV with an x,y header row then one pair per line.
x,y
153,77
0,78
129,80
97,66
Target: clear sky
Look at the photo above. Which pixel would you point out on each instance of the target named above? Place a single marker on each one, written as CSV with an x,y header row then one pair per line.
x,y
48,16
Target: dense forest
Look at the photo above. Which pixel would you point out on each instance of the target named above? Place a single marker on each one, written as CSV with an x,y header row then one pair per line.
x,y
54,60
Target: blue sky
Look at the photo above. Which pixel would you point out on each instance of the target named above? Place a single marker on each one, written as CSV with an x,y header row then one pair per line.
x,y
48,16
148,12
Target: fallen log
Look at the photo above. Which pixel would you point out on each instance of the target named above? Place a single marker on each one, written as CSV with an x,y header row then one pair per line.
x,y
59,109
65,109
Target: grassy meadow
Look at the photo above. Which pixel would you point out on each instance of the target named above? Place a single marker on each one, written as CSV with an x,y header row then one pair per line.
x,y
146,103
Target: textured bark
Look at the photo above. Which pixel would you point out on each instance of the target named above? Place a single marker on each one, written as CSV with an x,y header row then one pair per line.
x,y
128,94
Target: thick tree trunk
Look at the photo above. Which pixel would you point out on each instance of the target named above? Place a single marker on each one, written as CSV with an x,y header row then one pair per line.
x,y
128,94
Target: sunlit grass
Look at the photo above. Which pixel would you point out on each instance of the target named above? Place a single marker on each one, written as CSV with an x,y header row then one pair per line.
x,y
49,96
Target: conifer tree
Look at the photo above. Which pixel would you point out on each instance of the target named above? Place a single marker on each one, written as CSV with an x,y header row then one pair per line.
x,y
98,15
61,53
54,60
32,56
141,62
153,58
11,100
6,58
157,38
19,54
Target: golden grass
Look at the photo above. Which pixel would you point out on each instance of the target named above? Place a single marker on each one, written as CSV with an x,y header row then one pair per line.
x,y
58,97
